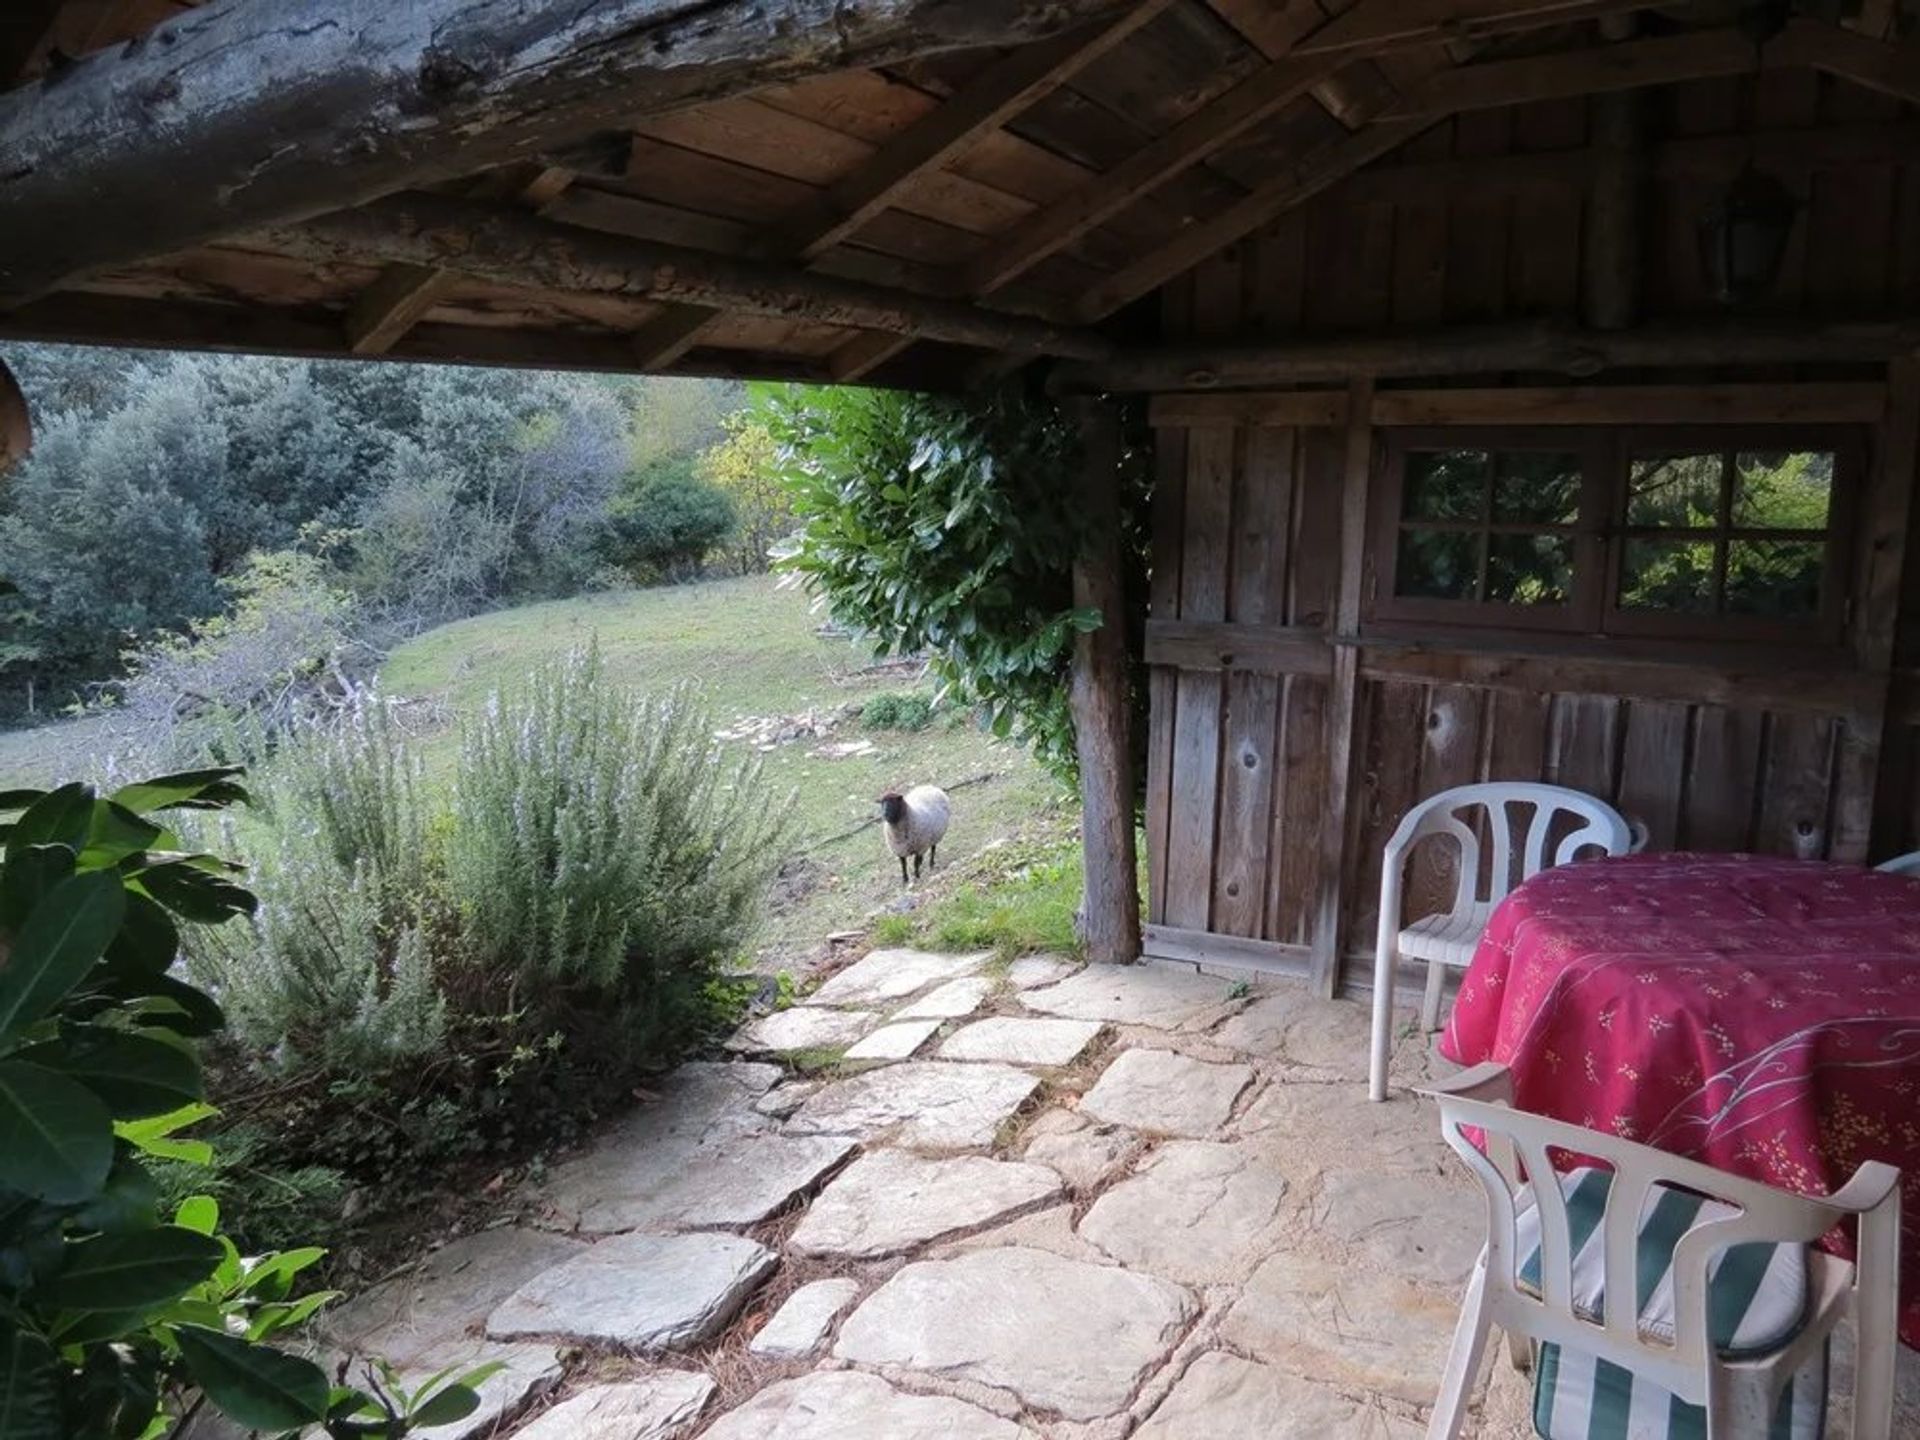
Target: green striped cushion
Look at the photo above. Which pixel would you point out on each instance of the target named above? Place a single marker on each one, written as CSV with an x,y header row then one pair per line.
x,y
1578,1396
1756,1293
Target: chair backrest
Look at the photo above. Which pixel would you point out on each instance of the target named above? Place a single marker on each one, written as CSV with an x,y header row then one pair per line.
x,y
1907,864
1584,820
1761,1214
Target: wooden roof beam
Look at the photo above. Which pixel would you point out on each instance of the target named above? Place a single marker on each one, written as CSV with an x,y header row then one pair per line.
x,y
996,96
25,37
248,113
1890,67
395,302
506,245
1624,65
1489,349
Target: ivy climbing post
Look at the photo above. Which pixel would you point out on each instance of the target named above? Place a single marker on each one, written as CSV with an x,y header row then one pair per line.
x,y
1099,692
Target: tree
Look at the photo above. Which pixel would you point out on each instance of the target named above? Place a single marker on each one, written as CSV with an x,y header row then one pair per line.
x,y
666,521
745,468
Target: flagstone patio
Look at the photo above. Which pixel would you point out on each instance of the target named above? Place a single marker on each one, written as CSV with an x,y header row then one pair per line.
x,y
1079,1205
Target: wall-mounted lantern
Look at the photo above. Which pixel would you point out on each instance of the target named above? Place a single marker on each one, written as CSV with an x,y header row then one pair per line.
x,y
1743,236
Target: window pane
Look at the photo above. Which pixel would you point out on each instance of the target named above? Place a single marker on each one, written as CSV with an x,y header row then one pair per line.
x,y
1437,565
1782,490
1676,491
1446,484
1775,578
1530,569
1667,575
1534,487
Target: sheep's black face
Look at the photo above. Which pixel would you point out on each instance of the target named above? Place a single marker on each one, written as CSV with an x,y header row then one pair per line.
x,y
893,809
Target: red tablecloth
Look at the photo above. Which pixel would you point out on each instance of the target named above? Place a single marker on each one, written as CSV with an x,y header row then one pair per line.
x,y
1761,1015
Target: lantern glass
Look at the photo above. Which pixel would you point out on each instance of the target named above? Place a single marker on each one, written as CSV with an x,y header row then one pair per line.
x,y
1743,237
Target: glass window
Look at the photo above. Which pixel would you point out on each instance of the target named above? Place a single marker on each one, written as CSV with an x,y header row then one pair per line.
x,y
1488,525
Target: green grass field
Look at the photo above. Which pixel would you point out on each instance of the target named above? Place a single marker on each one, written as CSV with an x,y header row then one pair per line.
x,y
751,649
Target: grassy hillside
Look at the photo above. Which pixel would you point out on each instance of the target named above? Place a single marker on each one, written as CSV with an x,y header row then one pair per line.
x,y
753,651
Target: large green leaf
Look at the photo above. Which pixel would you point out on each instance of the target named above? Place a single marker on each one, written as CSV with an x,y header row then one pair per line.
x,y
254,1384
137,1075
57,945
155,1137
116,833
56,1138
130,1200
60,817
30,872
147,941
188,790
29,1388
130,1272
191,893
13,801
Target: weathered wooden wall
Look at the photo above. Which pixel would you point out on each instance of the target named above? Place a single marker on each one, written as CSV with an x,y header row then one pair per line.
x,y
1710,744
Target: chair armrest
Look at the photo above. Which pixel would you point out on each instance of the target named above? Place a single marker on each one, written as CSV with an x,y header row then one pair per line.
x,y
1871,1184
1486,1082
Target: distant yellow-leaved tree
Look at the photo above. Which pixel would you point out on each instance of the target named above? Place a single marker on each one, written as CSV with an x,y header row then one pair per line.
x,y
745,466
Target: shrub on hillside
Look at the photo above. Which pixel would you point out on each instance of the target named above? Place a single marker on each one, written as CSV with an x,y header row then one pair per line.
x,y
665,522
897,711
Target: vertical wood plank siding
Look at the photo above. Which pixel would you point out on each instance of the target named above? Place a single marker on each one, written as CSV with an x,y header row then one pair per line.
x,y
1248,531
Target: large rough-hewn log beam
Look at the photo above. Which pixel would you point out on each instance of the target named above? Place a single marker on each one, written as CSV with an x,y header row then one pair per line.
x,y
16,425
1102,712
1490,349
244,113
509,246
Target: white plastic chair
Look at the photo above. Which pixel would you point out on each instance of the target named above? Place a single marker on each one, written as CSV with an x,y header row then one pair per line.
x,y
1449,939
1667,1341
1907,864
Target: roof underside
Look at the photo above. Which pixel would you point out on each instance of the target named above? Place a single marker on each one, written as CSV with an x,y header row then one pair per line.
x,y
1060,181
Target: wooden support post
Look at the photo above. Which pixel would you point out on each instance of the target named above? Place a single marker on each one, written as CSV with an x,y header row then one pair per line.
x,y
1611,289
16,425
1345,709
1888,541
1102,719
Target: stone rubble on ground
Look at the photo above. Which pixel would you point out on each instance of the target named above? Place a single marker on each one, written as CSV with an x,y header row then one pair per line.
x,y
1204,1231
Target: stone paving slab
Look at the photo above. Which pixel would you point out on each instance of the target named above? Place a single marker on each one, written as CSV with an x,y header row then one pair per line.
x,y
642,1292
893,975
455,1288
1021,1042
1163,1093
1340,1325
925,1104
890,1201
846,1405
805,1027
1294,1027
894,1042
799,1327
662,1406
951,1001
739,1181
1031,970
1086,1155
1058,1334
1162,997
1196,1211
1424,1227
1223,1396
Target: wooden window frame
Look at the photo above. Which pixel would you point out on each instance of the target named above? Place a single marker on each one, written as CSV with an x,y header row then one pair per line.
x,y
1601,533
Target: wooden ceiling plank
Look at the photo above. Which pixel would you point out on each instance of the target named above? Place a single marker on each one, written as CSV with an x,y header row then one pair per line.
x,y
1628,65
1369,27
382,96
926,146
501,243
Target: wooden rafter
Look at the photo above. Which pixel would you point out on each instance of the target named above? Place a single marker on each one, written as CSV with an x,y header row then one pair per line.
x,y
1884,65
504,244
382,96
395,303
25,36
989,102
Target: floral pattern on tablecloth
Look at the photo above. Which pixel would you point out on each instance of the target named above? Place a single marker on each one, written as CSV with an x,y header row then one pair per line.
x,y
1758,1014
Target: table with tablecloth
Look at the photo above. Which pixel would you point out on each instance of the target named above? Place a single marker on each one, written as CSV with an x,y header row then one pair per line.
x,y
1761,1015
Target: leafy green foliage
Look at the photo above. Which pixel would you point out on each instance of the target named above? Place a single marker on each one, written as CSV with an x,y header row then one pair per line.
x,y
939,525
106,1310
666,520
898,710
744,467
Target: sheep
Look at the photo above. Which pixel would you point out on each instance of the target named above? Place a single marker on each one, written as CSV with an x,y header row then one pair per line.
x,y
915,823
